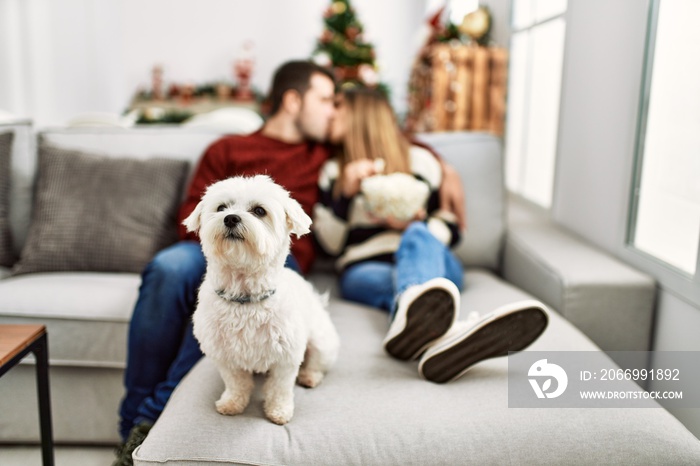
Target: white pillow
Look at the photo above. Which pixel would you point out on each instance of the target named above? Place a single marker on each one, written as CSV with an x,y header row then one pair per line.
x,y
231,120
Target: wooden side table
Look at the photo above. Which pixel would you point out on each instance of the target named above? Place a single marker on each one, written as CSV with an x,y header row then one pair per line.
x,y
17,341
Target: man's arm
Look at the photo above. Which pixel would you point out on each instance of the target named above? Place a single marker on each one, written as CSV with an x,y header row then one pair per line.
x,y
451,190
452,194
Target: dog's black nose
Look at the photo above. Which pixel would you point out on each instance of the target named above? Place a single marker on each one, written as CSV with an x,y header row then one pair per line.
x,y
232,220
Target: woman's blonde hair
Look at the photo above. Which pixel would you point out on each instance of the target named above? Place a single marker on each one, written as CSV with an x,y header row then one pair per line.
x,y
373,132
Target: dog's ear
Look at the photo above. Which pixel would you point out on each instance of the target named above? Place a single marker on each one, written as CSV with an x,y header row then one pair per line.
x,y
298,222
193,222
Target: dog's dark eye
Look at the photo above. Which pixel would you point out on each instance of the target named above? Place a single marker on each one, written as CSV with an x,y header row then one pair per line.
x,y
259,211
221,208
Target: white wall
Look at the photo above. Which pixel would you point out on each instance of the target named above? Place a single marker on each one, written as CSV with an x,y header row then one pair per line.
x,y
601,89
59,58
500,26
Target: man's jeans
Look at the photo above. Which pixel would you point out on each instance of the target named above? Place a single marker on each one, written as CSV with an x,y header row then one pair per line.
x,y
161,347
420,257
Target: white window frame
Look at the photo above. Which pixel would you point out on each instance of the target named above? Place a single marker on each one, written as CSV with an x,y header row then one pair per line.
x,y
682,284
522,163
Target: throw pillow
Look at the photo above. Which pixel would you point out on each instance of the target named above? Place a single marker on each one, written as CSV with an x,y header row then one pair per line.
x,y
100,214
7,256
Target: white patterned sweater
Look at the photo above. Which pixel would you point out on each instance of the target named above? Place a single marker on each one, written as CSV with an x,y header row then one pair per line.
x,y
345,229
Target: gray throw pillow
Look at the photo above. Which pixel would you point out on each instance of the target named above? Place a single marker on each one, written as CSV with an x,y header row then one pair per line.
x,y
100,214
7,256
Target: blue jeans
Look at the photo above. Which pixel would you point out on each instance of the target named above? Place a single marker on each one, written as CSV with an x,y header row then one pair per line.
x,y
161,347
420,257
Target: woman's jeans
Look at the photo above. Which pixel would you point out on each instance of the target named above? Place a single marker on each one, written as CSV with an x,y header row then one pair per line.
x,y
161,347
420,257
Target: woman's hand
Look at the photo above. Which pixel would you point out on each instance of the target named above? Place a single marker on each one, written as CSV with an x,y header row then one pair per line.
x,y
353,175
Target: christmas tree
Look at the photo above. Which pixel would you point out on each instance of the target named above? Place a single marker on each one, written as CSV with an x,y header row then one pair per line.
x,y
343,48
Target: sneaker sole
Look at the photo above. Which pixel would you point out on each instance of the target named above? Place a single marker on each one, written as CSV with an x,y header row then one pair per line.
x,y
490,341
427,319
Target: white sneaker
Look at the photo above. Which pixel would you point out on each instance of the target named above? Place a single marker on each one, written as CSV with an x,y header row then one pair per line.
x,y
512,327
425,313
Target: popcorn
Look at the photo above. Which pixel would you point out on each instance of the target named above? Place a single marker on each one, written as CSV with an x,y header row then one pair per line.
x,y
397,195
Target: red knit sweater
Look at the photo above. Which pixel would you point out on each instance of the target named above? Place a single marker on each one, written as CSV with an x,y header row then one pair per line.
x,y
294,166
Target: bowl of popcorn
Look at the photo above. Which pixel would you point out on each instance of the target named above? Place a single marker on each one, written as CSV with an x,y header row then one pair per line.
x,y
400,196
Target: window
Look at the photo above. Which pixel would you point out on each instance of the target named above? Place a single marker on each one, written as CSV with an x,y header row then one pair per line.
x,y
665,220
536,58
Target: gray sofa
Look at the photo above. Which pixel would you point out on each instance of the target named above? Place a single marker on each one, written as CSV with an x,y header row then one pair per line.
x,y
370,409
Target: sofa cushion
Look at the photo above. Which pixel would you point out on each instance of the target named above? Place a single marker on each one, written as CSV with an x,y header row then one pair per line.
x,y
372,409
86,314
187,144
477,157
98,213
7,256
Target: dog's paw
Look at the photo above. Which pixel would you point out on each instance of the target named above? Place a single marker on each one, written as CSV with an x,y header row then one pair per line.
x,y
308,378
230,406
279,413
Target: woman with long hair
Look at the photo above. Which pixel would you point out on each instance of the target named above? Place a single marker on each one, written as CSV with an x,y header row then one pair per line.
x,y
404,265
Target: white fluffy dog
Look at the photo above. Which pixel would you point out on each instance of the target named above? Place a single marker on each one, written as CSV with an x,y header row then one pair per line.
x,y
253,314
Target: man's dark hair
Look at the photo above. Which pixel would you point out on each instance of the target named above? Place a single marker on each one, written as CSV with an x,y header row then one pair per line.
x,y
294,75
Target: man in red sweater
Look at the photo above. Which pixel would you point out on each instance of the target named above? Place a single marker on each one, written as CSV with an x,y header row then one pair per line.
x,y
290,148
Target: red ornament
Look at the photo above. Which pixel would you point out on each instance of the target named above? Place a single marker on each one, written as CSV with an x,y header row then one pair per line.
x,y
352,32
173,91
327,36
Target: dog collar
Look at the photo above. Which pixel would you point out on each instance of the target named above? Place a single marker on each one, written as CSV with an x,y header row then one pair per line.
x,y
245,299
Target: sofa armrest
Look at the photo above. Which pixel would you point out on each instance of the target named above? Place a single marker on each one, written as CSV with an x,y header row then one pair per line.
x,y
609,301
